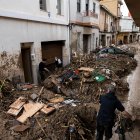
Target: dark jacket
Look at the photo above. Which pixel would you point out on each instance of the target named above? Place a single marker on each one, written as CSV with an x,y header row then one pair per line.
x,y
109,103
42,66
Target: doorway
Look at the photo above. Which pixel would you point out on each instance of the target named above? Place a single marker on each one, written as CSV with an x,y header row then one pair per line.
x,y
125,39
86,40
108,41
103,40
113,39
26,62
50,50
130,39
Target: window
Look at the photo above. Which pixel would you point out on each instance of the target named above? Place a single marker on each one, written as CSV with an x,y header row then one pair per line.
x,y
94,7
79,6
43,5
111,50
87,5
58,7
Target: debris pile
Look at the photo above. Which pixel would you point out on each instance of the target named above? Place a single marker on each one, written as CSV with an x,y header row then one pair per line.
x,y
64,108
68,123
86,78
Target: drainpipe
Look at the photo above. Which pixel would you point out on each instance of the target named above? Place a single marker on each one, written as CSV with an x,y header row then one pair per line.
x,y
118,23
69,16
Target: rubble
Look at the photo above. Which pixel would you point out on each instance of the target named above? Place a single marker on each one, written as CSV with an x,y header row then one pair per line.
x,y
64,108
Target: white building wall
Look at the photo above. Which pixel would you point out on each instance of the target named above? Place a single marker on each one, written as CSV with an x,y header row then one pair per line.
x,y
22,21
75,16
126,24
30,10
79,28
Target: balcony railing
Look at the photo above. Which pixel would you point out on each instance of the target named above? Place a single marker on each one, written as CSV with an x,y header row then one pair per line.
x,y
90,14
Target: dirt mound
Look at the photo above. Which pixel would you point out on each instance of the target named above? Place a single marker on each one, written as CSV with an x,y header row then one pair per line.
x,y
70,121
76,123
86,88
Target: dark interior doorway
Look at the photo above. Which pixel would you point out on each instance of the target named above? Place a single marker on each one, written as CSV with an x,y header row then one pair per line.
x,y
50,50
130,39
125,39
26,62
103,40
85,43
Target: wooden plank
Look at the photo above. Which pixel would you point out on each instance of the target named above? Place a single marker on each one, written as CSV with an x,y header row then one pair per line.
x,y
47,109
30,110
20,128
23,118
18,103
86,69
56,100
13,111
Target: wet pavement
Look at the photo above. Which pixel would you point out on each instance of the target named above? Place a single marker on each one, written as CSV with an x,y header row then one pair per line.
x,y
132,105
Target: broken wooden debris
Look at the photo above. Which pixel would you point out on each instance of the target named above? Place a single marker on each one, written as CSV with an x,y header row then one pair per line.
x,y
30,110
56,100
86,69
13,111
47,110
18,103
40,92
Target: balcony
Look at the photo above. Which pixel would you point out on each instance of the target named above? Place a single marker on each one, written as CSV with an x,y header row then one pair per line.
x,y
91,14
90,18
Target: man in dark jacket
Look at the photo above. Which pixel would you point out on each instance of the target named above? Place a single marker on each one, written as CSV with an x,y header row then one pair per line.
x,y
43,69
106,116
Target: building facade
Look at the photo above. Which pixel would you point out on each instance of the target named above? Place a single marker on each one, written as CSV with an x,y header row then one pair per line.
x,y
84,25
114,6
107,27
129,32
31,30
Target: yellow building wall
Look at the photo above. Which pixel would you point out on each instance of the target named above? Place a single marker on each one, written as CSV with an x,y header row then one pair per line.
x,y
111,5
120,36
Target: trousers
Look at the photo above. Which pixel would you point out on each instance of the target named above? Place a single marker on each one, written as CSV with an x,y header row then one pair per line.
x,y
104,128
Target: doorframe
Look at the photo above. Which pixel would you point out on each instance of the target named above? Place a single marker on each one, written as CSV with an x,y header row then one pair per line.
x,y
88,43
27,45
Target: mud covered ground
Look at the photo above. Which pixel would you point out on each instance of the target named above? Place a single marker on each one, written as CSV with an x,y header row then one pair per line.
x,y
75,121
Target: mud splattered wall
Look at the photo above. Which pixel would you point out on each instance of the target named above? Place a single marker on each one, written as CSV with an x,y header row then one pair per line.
x,y
14,32
10,65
